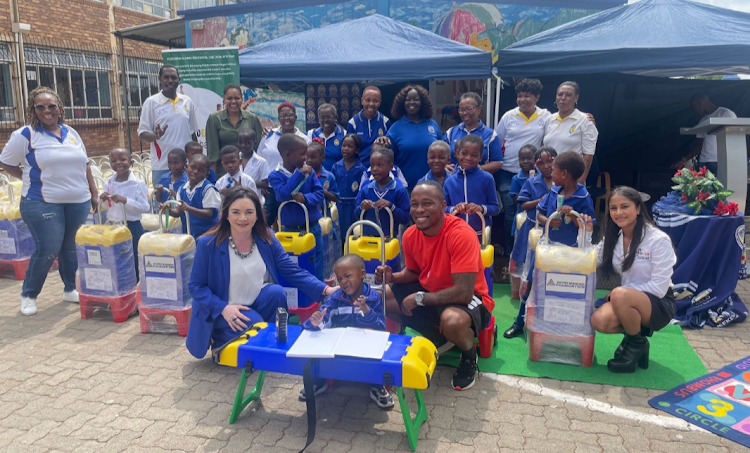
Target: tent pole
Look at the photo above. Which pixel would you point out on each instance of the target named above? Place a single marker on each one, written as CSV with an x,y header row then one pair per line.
x,y
126,91
487,98
499,86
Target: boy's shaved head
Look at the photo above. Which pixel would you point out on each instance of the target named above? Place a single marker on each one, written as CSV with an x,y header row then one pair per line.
x,y
351,259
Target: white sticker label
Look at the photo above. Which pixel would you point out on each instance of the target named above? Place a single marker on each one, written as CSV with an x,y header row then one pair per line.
x,y
95,257
100,279
565,283
161,288
565,311
3,233
162,264
370,279
292,297
7,246
295,259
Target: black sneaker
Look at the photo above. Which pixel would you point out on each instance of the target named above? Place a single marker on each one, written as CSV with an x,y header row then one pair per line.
x,y
382,397
317,390
466,373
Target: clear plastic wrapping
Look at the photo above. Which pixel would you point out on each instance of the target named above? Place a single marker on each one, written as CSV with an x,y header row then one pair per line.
x,y
16,242
165,262
150,222
516,269
559,308
106,264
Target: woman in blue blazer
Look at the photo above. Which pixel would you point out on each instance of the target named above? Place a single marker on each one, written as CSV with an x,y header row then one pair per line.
x,y
233,282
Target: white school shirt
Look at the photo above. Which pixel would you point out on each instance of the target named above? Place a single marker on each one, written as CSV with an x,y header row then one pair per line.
x,y
246,277
574,133
268,147
258,169
211,197
710,150
651,271
515,130
135,191
54,169
240,178
179,115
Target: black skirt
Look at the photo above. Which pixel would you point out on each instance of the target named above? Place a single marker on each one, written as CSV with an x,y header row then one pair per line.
x,y
662,312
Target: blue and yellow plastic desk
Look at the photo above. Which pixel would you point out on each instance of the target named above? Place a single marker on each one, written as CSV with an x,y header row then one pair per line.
x,y
407,363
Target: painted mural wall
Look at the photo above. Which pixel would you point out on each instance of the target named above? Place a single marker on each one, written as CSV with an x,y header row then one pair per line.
x,y
487,26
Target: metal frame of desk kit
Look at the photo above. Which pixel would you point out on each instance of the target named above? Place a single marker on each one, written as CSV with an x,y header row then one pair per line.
x,y
408,363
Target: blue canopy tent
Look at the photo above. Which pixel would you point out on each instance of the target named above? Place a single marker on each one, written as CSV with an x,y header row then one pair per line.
x,y
653,37
372,48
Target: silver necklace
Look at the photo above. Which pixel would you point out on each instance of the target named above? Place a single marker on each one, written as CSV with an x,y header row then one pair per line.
x,y
237,252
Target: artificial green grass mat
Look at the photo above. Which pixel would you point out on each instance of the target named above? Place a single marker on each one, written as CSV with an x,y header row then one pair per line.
x,y
672,360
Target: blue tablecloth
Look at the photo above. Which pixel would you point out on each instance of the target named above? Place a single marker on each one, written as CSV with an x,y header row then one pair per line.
x,y
709,251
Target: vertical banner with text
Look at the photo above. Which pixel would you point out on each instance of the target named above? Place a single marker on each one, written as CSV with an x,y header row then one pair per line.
x,y
203,75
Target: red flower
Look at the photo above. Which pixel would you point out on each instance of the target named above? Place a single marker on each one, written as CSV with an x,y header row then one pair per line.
x,y
703,196
703,171
733,208
693,172
684,197
720,208
678,173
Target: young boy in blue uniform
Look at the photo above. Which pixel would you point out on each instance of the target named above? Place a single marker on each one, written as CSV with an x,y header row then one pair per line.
x,y
383,191
354,304
348,173
471,190
369,124
295,180
193,148
199,198
532,192
170,183
565,195
438,156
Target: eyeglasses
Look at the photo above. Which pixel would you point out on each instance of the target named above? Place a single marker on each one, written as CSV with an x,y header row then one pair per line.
x,y
287,115
42,107
466,110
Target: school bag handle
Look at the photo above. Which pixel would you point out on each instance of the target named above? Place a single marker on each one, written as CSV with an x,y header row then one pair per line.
x,y
168,204
9,188
304,208
379,230
377,217
581,227
123,222
485,237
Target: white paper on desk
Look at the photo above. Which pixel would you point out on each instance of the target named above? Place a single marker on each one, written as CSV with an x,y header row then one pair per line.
x,y
367,344
316,344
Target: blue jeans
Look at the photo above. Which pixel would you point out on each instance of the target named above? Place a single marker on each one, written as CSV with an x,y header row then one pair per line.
x,y
264,308
156,176
509,209
53,227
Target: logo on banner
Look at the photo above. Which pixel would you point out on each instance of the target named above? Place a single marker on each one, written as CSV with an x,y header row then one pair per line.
x,y
563,283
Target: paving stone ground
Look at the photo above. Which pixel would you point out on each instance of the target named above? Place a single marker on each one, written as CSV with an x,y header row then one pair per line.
x,y
68,384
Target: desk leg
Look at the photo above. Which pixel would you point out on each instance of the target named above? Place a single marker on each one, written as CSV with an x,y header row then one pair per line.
x,y
412,425
240,400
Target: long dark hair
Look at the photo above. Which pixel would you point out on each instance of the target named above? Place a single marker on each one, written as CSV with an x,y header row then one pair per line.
x,y
398,108
222,230
612,231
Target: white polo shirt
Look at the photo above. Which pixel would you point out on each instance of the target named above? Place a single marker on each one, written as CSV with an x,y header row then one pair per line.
x,y
178,114
651,271
257,168
54,169
135,191
574,133
515,131
268,147
240,178
710,150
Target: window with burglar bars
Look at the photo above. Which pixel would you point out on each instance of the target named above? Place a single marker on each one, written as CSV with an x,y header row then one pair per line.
x,y
80,79
143,81
7,112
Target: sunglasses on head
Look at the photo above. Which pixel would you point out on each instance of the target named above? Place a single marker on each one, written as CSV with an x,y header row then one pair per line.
x,y
42,107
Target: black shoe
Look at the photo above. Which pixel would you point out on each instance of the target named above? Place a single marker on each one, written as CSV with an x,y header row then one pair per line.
x,y
514,331
619,349
634,353
466,373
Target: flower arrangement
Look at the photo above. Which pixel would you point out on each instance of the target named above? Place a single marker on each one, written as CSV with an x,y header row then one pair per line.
x,y
700,190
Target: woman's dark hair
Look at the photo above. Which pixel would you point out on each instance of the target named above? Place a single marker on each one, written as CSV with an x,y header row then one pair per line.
x,y
222,230
572,162
612,231
574,85
533,86
398,109
31,118
232,86
356,139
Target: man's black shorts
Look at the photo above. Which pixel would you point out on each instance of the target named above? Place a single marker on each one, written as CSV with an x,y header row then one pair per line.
x,y
426,320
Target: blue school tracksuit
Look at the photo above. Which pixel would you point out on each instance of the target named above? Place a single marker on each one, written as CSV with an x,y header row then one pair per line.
x,y
368,130
566,234
342,313
472,185
332,144
348,182
168,184
396,193
293,216
430,177
410,142
533,189
198,226
493,150
516,184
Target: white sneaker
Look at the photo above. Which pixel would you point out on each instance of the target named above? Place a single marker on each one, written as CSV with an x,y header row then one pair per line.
x,y
28,306
71,296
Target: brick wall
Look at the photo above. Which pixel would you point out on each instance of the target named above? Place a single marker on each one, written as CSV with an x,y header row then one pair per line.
x,y
125,18
70,24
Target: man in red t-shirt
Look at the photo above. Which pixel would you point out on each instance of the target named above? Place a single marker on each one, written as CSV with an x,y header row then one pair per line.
x,y
442,292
